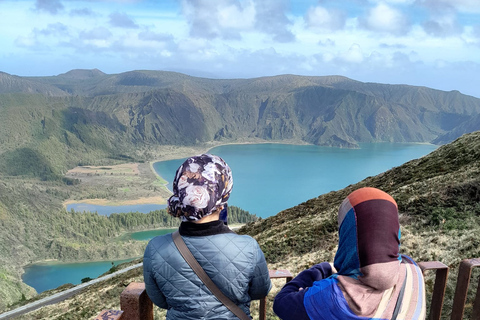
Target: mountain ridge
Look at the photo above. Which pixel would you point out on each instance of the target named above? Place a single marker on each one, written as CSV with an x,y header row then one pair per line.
x,y
102,114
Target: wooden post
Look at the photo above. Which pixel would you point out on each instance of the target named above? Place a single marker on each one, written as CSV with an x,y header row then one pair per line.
x,y
463,281
274,274
135,303
439,287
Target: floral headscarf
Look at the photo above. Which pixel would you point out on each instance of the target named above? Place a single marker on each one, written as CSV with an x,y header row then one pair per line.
x,y
202,184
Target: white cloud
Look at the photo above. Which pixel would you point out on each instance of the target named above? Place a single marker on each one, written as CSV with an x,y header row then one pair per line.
x,y
212,19
353,55
465,6
373,40
55,29
394,2
443,26
327,43
386,19
230,19
476,33
320,18
122,20
50,6
98,33
236,17
271,19
45,38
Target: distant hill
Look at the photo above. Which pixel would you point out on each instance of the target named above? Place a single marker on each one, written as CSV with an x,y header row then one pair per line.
x,y
15,84
84,115
159,106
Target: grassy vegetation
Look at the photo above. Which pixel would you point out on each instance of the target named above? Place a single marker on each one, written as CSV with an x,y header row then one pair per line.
x,y
34,226
113,121
439,204
438,197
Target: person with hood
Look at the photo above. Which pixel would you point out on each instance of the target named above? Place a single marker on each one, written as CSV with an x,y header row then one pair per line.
x,y
370,279
235,263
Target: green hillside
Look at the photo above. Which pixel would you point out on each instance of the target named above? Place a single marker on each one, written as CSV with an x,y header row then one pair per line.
x,y
438,197
439,203
158,107
34,226
49,125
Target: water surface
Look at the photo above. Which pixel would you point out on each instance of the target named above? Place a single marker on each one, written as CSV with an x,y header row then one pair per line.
x,y
269,178
150,234
46,276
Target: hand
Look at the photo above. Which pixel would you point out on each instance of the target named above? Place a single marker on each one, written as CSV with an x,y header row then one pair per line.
x,y
333,268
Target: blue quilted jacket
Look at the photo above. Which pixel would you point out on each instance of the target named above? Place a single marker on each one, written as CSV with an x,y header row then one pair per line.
x,y
235,263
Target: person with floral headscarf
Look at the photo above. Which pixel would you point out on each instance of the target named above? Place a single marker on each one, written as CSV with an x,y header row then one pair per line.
x,y
235,263
370,279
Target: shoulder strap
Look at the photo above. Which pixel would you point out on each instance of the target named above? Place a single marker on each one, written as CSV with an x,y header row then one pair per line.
x,y
193,263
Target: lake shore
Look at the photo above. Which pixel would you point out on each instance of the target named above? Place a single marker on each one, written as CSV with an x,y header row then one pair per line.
x,y
113,203
180,152
139,183
52,262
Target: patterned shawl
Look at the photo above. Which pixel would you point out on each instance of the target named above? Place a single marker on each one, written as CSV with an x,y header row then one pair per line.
x,y
202,184
370,269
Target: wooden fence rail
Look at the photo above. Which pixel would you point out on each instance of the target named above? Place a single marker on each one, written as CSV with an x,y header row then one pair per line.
x,y
136,305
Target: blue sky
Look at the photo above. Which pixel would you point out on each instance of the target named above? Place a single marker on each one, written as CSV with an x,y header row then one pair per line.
x,y
433,43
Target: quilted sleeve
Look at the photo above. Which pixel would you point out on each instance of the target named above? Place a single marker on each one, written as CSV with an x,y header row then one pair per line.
x,y
151,286
260,283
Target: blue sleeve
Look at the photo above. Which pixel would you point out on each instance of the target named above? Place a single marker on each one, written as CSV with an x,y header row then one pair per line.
x,y
153,292
288,303
260,283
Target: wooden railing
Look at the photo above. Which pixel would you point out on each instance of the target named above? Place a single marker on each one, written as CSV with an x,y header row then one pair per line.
x,y
136,305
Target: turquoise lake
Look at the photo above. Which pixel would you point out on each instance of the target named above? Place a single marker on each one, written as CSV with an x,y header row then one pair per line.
x,y
149,234
46,276
268,178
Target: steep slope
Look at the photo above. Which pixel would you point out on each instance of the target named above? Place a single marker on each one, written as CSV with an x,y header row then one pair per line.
x,y
85,115
438,197
173,108
15,84
44,136
470,125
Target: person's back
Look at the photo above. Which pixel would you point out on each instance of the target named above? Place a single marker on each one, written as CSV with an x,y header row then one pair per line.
x,y
234,262
373,280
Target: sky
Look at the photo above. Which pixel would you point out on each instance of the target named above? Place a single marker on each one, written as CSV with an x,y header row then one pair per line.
x,y
432,43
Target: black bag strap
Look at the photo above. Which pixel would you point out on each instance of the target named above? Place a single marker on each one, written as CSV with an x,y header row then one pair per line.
x,y
193,263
